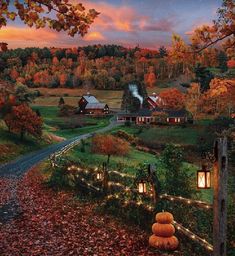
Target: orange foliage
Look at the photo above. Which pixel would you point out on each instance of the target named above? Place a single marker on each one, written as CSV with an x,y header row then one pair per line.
x,y
150,79
23,120
14,74
220,98
109,145
231,64
63,79
172,98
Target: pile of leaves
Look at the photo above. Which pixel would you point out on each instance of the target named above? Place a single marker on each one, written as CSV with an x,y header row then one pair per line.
x,y
6,186
53,223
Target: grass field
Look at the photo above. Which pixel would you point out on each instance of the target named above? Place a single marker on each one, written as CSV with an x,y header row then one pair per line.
x,y
54,123
130,163
168,134
50,97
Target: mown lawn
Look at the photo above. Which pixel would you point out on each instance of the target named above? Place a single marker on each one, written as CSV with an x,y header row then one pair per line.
x,y
168,134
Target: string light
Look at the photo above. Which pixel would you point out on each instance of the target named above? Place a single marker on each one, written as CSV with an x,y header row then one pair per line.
x,y
193,236
185,200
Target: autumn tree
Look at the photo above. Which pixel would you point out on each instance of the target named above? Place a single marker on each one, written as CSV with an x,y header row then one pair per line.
x,y
222,29
22,119
72,18
192,99
109,145
3,46
220,98
231,64
172,99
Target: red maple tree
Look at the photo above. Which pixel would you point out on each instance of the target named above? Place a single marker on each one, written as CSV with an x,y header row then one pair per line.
x,y
22,119
109,145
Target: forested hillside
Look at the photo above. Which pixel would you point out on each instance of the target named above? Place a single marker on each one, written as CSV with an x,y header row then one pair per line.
x,y
108,67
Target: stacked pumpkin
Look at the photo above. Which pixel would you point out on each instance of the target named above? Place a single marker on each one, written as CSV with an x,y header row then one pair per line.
x,y
163,233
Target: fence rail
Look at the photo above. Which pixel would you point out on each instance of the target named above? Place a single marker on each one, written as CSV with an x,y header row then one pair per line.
x,y
197,203
193,236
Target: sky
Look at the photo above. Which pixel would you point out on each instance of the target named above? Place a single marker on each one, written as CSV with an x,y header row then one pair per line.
x,y
147,23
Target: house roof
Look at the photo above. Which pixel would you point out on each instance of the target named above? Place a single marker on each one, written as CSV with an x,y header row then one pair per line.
x,y
144,112
176,113
95,106
90,99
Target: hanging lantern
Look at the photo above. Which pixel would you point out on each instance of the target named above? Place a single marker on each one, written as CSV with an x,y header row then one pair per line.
x,y
142,187
99,175
203,178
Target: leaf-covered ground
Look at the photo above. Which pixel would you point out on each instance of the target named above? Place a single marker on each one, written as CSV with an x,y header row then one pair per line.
x,y
55,224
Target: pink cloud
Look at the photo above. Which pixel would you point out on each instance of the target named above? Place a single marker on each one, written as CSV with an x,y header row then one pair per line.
x,y
127,19
27,34
94,36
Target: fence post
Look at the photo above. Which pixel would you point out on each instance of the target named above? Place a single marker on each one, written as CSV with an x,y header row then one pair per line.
x,y
155,184
105,178
220,169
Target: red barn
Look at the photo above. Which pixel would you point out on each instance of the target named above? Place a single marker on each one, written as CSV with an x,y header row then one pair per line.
x,y
154,101
88,104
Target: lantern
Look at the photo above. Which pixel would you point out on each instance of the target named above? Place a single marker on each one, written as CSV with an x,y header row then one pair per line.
x,y
203,178
142,187
99,175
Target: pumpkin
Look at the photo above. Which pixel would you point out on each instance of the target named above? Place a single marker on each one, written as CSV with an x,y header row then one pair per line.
x,y
163,230
164,218
164,243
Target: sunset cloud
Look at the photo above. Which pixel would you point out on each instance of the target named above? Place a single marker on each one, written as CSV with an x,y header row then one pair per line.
x,y
127,19
94,36
26,34
129,23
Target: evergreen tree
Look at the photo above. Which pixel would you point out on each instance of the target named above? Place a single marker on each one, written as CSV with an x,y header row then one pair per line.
x,y
162,51
61,101
222,59
178,180
203,76
131,103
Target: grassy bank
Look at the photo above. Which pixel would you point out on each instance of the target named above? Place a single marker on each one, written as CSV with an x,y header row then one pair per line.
x,y
11,146
64,126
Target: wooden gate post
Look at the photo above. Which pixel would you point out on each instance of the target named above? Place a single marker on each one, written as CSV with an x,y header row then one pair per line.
x,y
220,197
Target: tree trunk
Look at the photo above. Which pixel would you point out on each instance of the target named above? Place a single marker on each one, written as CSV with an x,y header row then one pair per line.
x,y
21,135
108,160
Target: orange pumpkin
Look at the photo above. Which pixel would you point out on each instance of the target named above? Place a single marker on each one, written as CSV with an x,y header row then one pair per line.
x,y
164,243
164,218
163,230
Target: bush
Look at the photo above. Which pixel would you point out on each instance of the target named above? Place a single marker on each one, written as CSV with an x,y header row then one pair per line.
x,y
126,136
59,178
128,123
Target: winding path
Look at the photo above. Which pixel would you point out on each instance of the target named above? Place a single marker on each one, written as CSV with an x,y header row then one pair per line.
x,y
15,170
22,164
